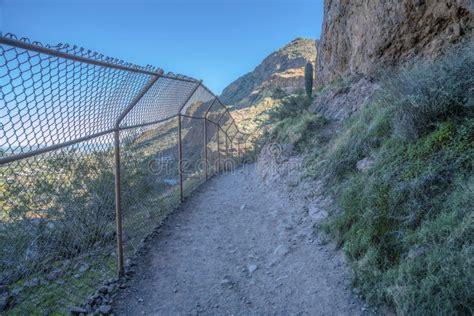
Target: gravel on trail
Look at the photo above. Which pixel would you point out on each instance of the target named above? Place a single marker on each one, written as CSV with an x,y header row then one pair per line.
x,y
237,247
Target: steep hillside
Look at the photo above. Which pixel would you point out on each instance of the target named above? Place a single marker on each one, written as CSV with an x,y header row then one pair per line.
x,y
361,39
359,36
280,74
283,69
386,149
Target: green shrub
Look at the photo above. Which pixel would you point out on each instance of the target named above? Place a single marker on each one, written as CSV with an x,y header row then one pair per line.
x,y
409,104
407,223
62,209
436,273
298,130
424,93
290,107
293,123
278,93
355,140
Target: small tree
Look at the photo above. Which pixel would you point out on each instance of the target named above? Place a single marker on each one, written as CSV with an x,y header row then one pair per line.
x,y
308,79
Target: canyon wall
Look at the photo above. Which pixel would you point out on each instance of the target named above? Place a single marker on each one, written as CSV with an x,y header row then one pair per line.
x,y
360,35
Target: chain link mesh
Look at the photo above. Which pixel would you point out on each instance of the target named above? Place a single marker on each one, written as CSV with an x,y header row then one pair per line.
x,y
59,108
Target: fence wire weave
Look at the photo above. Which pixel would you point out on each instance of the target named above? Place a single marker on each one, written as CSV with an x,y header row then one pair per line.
x,y
94,153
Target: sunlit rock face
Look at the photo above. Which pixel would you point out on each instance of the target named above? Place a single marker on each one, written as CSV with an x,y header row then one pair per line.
x,y
283,69
360,35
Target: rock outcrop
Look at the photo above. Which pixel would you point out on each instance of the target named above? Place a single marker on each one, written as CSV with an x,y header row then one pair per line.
x,y
360,35
283,69
339,101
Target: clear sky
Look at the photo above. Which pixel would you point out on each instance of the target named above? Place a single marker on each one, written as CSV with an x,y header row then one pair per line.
x,y
213,40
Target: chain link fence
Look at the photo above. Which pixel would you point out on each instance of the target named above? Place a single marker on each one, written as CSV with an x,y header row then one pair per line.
x,y
94,153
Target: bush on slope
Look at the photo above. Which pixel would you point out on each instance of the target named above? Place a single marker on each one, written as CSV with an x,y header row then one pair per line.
x,y
406,223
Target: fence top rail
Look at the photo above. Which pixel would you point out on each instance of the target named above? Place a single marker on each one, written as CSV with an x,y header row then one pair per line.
x,y
82,55
90,57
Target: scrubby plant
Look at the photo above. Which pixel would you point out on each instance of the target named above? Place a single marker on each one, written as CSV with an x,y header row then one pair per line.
x,y
293,123
58,212
410,103
297,130
406,223
356,139
290,107
408,194
63,208
424,93
308,79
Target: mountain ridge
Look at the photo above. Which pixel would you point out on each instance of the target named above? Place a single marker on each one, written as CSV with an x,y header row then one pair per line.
x,y
283,69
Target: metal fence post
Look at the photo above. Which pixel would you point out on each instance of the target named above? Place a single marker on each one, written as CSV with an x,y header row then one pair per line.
x,y
218,151
226,147
232,148
205,147
205,132
118,196
180,141
180,150
238,151
118,211
226,150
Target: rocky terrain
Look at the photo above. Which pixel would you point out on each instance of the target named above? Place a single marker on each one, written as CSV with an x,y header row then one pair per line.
x,y
278,75
283,69
386,142
359,36
339,101
359,40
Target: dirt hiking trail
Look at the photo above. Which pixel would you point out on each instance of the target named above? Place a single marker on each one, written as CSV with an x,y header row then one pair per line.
x,y
236,247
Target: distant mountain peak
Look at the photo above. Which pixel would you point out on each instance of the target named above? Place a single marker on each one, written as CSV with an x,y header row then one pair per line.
x,y
282,69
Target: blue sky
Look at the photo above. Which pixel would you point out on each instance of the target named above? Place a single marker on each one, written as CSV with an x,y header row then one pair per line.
x,y
216,41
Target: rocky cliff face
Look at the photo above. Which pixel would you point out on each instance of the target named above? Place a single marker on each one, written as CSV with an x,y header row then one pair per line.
x,y
360,35
282,69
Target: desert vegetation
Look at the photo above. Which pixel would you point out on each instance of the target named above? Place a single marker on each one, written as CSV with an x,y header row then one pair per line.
x,y
401,174
57,230
292,122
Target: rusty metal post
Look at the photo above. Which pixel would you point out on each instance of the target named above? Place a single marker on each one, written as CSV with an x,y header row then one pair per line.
x,y
238,151
118,195
180,149
118,211
232,149
226,150
218,151
180,140
226,146
205,147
